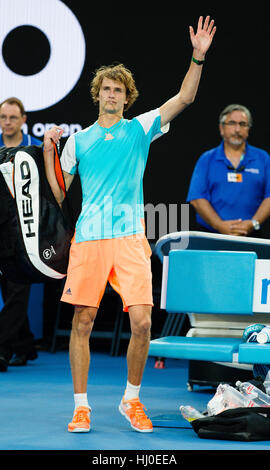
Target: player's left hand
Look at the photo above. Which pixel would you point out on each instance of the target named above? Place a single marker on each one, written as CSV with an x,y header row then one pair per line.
x,y
52,135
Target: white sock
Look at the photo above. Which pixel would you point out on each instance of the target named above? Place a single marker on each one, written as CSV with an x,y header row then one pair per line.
x,y
132,391
80,399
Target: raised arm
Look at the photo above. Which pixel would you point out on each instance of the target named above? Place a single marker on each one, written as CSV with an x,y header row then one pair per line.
x,y
201,42
53,135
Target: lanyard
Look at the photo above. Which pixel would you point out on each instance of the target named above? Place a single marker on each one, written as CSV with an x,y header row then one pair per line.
x,y
238,169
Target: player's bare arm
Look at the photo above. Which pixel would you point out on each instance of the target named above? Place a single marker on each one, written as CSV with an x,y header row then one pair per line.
x,y
52,136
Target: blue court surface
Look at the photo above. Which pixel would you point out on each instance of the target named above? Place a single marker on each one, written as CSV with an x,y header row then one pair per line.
x,y
37,403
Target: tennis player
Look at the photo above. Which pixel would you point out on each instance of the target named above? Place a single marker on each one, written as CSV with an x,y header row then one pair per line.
x,y
109,242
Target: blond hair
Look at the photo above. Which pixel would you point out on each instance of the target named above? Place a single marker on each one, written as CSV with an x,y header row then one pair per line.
x,y
117,73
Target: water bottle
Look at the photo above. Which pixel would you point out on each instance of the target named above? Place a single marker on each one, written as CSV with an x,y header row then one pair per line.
x,y
264,335
257,396
234,399
190,413
216,404
250,332
227,397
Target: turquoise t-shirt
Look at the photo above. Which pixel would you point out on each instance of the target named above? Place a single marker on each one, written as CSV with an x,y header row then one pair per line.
x,y
111,164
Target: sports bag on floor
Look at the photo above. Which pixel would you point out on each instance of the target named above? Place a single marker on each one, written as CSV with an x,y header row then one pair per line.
x,y
237,424
35,233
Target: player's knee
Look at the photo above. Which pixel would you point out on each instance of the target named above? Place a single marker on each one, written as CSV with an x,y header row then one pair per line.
x,y
83,321
142,327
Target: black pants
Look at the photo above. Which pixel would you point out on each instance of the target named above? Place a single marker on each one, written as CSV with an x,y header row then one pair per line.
x,y
15,333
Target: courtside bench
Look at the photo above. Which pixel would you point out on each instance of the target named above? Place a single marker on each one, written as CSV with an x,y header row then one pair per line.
x,y
214,274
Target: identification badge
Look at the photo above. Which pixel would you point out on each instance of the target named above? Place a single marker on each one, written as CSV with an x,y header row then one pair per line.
x,y
234,177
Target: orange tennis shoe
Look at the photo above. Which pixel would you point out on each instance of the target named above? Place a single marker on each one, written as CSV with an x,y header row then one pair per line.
x,y
81,420
133,410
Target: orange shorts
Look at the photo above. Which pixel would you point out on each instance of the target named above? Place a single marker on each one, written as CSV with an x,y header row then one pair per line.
x,y
124,262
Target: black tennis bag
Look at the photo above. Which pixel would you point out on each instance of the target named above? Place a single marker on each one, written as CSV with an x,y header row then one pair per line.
x,y
35,233
237,424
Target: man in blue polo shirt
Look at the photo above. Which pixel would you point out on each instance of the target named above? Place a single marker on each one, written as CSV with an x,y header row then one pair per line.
x,y
12,118
15,335
230,185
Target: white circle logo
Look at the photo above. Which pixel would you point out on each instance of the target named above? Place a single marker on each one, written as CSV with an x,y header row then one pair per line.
x,y
47,254
67,52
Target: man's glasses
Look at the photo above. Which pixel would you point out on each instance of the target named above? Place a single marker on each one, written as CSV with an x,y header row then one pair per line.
x,y
235,123
10,118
